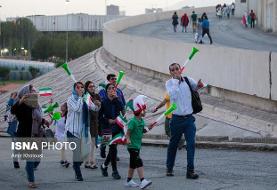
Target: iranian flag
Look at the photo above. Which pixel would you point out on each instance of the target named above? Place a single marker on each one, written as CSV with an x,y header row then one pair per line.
x,y
121,121
118,139
45,91
88,100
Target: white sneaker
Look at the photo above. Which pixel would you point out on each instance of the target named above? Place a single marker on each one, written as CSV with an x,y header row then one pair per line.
x,y
131,183
145,184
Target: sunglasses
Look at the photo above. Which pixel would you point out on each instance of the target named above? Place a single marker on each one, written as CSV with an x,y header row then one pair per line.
x,y
114,78
91,86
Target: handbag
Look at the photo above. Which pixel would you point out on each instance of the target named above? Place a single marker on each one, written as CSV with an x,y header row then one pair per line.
x,y
195,99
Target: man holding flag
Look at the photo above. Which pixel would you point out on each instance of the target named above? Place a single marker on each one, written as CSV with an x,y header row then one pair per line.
x,y
182,121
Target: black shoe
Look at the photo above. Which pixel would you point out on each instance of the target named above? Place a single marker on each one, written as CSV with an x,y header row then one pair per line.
x,y
104,171
169,172
61,162
79,178
103,151
116,175
66,164
16,165
117,159
192,175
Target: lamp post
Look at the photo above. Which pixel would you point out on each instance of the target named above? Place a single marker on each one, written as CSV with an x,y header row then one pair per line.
x,y
66,43
106,11
0,29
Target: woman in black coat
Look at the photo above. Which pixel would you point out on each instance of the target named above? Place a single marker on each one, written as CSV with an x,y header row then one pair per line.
x,y
29,116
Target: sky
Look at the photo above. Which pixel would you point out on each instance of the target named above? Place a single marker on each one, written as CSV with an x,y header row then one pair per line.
x,y
13,8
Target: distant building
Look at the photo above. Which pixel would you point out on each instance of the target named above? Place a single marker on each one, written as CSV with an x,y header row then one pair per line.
x,y
122,13
113,10
266,12
153,10
71,22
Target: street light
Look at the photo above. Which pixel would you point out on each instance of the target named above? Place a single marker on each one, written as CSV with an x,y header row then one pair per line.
x,y
0,27
66,43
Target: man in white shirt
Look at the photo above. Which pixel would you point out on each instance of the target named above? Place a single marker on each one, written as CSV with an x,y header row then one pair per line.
x,y
182,121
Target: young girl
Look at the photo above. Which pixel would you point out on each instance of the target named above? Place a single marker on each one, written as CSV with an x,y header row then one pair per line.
x,y
134,138
60,133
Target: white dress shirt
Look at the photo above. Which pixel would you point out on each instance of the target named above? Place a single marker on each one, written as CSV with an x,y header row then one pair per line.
x,y
181,95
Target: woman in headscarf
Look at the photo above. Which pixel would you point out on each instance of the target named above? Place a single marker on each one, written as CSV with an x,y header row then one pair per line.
x,y
93,123
29,116
110,109
77,125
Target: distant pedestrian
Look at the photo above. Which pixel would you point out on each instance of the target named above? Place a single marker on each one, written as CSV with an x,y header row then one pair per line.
x,y
244,20
233,8
184,22
175,21
198,34
228,11
206,29
219,12
253,19
204,15
194,21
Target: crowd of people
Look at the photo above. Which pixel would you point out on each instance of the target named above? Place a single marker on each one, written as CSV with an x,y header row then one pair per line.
x,y
200,26
225,10
249,19
84,123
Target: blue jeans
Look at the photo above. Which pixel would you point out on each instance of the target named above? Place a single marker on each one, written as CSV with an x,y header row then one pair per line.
x,y
76,154
30,165
178,126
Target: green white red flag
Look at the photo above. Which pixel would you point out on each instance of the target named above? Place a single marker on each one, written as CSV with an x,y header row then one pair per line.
x,y
45,91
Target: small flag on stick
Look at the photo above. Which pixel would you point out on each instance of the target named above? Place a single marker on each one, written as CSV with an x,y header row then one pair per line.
x,y
119,78
167,112
45,91
192,53
68,71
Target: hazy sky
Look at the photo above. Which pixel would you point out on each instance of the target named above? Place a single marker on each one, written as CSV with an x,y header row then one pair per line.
x,y
12,8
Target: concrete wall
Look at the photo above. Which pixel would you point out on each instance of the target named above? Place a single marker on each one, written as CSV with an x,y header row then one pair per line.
x,y
241,8
274,76
236,70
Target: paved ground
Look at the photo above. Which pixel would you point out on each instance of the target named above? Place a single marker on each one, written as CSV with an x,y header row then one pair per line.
x,y
224,33
218,169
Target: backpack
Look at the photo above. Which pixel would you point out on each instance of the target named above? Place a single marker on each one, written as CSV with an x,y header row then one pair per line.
x,y
195,99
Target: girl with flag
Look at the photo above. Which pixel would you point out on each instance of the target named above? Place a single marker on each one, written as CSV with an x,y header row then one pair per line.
x,y
136,128
110,109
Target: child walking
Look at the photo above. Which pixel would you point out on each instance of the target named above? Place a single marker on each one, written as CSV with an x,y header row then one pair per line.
x,y
134,137
60,133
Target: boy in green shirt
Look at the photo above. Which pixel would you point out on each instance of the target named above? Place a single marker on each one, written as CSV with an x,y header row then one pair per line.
x,y
134,135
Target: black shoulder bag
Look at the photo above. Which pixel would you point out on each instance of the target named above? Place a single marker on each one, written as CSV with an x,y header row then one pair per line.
x,y
195,99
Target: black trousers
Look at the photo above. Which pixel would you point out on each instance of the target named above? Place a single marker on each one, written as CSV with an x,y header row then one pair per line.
x,y
207,31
